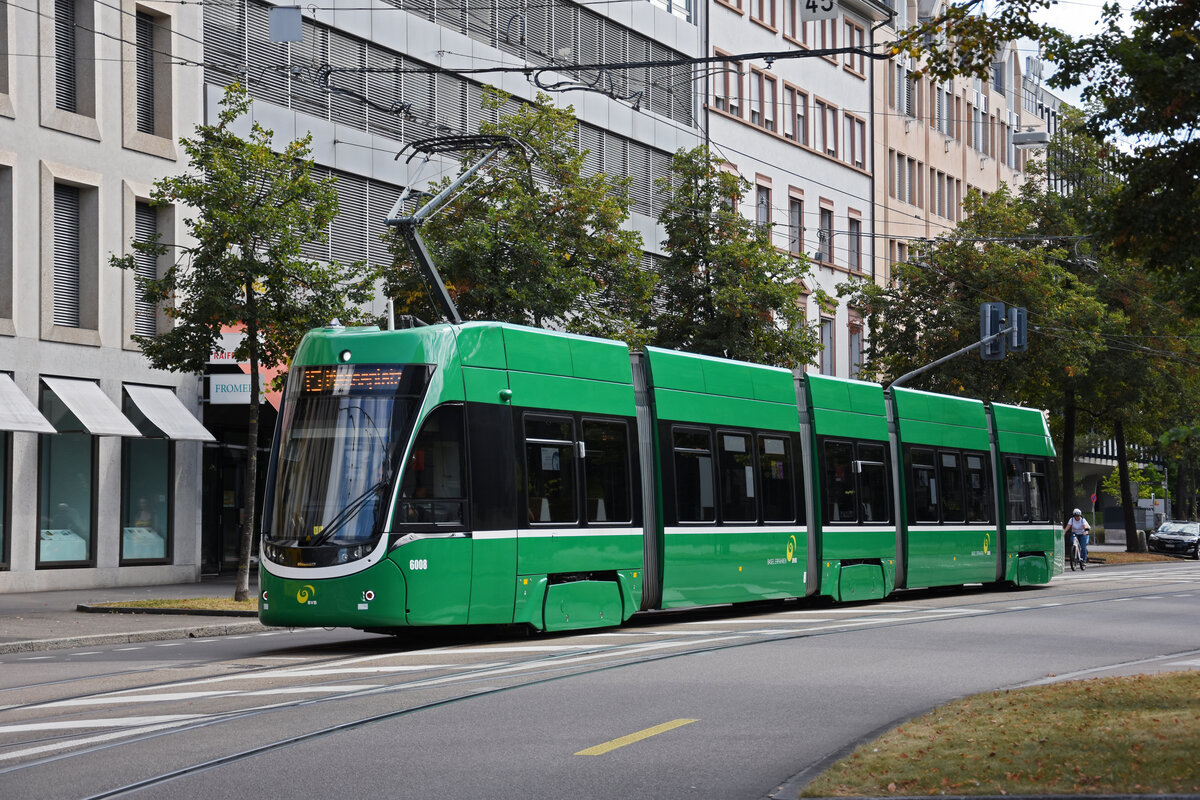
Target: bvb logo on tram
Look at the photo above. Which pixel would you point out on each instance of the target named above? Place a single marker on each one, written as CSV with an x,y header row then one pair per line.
x,y
306,592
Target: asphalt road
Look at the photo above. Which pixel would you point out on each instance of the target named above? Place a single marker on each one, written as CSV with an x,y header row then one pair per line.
x,y
718,704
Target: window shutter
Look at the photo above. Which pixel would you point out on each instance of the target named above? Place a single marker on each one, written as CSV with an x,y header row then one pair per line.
x,y
64,55
145,228
640,172
349,229
381,197
145,72
66,255
346,52
383,88
224,42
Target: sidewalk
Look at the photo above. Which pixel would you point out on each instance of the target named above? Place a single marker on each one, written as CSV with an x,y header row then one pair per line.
x,y
52,620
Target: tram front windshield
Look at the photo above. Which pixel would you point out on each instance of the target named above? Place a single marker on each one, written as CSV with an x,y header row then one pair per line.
x,y
341,438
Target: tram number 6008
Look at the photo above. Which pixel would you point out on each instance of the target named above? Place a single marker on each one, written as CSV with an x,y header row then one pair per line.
x,y
418,563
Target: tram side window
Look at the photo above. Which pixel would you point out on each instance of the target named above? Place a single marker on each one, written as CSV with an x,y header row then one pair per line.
x,y
434,486
979,490
924,497
1015,489
737,478
693,475
952,487
606,470
1039,491
839,482
550,469
775,479
873,483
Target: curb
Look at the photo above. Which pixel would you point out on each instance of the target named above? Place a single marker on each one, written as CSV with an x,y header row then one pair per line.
x,y
200,612
93,640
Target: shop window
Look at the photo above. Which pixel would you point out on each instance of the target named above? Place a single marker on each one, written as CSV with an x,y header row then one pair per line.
x,y
146,469
65,488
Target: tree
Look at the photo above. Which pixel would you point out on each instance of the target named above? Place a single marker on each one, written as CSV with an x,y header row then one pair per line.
x,y
724,289
254,208
534,240
1145,86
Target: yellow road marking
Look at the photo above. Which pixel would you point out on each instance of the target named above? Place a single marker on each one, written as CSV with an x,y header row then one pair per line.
x,y
609,746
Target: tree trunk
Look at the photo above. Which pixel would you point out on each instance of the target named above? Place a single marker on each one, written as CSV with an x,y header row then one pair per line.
x,y
1067,456
249,518
1133,542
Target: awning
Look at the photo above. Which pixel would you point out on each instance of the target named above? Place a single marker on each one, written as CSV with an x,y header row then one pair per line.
x,y
163,415
16,412
93,411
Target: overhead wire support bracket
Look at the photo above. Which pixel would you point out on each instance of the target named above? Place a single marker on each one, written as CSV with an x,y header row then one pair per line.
x,y
408,225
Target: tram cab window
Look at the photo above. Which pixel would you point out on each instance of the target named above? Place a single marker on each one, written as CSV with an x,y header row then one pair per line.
x,y
775,479
550,481
737,478
855,480
606,471
979,489
694,495
924,493
434,488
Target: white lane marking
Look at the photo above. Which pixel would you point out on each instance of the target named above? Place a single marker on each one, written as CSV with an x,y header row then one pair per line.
x,y
345,687
108,699
125,649
107,737
34,658
116,722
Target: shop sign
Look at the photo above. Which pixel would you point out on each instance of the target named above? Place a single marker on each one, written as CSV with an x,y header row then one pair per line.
x,y
233,389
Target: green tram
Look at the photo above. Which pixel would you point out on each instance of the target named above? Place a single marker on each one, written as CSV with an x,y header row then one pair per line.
x,y
486,473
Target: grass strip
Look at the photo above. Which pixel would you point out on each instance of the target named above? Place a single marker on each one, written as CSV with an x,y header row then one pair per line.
x,y
188,604
1135,734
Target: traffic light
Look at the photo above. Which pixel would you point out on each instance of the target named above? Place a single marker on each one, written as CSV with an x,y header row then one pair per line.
x,y
991,322
1018,330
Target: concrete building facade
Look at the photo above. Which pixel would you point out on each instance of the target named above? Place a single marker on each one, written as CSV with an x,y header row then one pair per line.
x,y
92,99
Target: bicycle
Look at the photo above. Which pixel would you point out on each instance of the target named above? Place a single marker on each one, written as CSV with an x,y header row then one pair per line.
x,y
1074,554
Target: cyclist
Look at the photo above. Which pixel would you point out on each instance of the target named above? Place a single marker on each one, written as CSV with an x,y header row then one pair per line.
x,y
1078,527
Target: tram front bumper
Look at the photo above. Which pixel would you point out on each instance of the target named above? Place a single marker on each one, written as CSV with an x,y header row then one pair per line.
x,y
373,598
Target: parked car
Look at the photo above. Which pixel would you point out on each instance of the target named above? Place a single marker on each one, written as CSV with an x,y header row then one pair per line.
x,y
1176,537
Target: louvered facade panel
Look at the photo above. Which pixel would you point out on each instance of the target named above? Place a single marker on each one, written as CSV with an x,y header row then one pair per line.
x,y
591,139
539,26
145,229
381,198
660,168
65,56
317,251
144,72
384,89
589,44
639,174
418,92
224,42
451,13
268,78
348,53
616,51
660,82
306,57
66,255
348,231
510,27
563,41
476,113
638,79
451,97
481,21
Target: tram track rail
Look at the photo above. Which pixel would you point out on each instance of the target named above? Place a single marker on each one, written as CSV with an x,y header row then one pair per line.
x,y
494,676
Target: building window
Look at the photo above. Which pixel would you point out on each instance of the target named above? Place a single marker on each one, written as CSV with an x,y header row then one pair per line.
x,y
762,205
763,11
145,72
825,236
795,226
65,480
827,347
6,236
795,115
74,62
146,504
854,244
856,142
66,255
855,36
856,350
145,315
825,131
768,102
5,451
756,112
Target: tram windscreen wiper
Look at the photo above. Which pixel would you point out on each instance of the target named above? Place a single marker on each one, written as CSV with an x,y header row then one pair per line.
x,y
348,512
